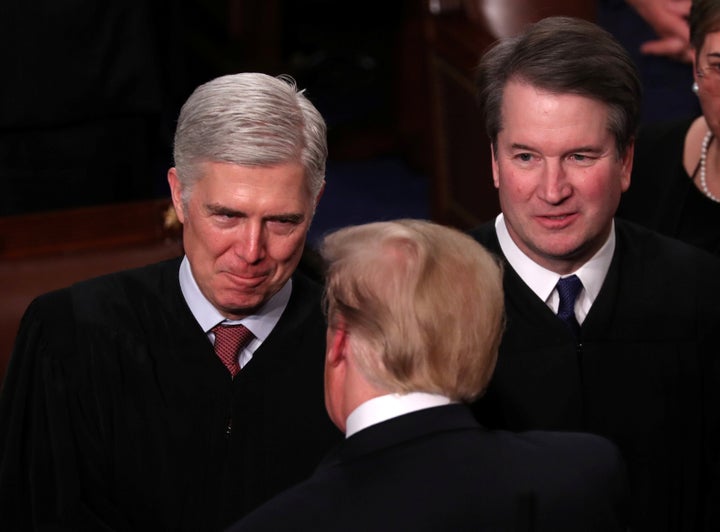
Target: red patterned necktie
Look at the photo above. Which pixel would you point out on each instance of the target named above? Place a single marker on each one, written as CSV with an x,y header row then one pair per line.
x,y
229,340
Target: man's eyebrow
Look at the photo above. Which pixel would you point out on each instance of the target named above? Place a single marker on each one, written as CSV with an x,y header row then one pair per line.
x,y
292,217
586,149
518,146
579,149
214,208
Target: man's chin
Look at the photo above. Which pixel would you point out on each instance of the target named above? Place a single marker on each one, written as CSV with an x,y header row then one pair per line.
x,y
238,309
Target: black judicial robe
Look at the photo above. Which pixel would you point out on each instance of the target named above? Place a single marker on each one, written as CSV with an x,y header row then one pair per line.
x,y
645,373
116,414
437,469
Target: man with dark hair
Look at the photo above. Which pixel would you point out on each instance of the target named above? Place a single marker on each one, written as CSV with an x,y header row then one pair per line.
x,y
612,329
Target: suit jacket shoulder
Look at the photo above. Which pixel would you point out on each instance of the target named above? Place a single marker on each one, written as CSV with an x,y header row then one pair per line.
x,y
437,469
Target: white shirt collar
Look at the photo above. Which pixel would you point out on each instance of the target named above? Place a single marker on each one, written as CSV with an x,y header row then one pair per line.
x,y
260,324
389,406
542,281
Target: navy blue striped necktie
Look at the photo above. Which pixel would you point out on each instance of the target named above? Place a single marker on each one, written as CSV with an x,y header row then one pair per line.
x,y
568,289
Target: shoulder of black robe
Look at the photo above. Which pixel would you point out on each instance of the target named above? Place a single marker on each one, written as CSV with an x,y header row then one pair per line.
x,y
669,291
486,235
646,372
114,410
65,339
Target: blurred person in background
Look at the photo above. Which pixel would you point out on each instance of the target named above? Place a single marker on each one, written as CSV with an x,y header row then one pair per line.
x,y
676,175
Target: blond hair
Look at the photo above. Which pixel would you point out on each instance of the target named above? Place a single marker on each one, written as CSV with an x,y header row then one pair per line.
x,y
423,305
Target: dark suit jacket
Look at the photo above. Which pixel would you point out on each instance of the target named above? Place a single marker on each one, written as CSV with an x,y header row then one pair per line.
x,y
438,469
645,372
117,414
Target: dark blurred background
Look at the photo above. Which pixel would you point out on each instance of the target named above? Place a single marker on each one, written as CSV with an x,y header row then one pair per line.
x,y
92,90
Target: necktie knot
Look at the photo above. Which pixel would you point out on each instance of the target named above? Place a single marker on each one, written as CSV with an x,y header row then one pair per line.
x,y
568,289
229,339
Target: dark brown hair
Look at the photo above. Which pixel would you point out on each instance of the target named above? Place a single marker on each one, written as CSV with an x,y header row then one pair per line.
x,y
563,55
704,19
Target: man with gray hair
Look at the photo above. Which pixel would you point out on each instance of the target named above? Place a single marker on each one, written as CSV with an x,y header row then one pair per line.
x,y
415,315
181,395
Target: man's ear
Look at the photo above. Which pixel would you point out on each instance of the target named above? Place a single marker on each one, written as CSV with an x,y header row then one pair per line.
x,y
319,194
176,193
495,170
337,340
626,165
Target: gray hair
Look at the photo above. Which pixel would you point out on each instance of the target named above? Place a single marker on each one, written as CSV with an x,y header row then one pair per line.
x,y
250,119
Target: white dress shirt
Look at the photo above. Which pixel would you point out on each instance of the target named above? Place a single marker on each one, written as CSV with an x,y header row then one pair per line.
x,y
389,406
542,281
260,324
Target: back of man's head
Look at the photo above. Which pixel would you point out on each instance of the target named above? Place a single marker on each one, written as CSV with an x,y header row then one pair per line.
x,y
422,303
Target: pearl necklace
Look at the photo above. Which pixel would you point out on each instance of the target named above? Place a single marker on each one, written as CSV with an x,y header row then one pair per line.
x,y
703,157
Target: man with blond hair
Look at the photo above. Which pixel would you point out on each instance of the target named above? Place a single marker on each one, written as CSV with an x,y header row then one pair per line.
x,y
415,314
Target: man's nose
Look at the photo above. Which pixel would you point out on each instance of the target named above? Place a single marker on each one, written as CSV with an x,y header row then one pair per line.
x,y
554,184
250,244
